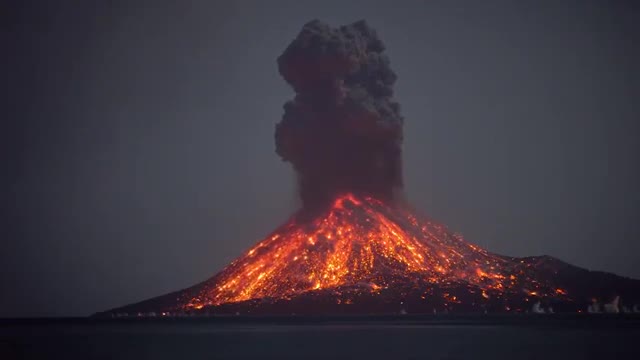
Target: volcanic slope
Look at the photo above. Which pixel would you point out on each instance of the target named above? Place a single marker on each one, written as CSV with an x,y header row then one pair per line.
x,y
364,256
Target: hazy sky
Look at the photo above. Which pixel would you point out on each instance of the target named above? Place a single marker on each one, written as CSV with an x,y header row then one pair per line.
x,y
138,151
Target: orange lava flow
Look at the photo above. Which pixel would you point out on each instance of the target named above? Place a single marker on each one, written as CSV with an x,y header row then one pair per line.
x,y
360,242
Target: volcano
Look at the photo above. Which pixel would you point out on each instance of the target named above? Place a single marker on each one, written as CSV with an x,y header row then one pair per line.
x,y
365,256
355,246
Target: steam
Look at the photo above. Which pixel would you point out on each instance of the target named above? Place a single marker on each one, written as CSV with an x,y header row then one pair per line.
x,y
342,132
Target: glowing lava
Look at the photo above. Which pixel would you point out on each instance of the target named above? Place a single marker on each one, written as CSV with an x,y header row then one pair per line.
x,y
366,244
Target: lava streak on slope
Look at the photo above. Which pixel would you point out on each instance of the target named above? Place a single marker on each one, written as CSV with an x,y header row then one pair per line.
x,y
363,243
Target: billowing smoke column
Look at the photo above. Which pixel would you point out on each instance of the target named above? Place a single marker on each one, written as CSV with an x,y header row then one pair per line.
x,y
342,132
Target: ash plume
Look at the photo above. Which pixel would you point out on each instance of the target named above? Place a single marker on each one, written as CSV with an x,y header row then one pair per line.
x,y
342,132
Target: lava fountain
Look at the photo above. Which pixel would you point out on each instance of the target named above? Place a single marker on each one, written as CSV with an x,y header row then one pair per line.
x,y
354,246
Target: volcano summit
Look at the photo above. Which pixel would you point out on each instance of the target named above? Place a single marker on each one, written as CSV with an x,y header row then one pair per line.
x,y
355,246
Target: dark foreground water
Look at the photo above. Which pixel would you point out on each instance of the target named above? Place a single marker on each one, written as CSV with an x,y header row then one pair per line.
x,y
517,337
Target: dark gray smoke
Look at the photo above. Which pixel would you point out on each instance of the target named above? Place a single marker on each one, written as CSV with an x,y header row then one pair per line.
x,y
342,132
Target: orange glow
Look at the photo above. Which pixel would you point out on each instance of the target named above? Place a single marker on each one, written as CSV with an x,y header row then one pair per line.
x,y
359,242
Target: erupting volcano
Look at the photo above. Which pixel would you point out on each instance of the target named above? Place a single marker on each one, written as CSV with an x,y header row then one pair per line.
x,y
363,246
355,246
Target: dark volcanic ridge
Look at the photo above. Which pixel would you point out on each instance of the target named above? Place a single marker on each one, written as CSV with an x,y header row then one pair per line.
x,y
417,297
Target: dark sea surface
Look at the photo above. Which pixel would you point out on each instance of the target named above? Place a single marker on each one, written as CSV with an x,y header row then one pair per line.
x,y
362,337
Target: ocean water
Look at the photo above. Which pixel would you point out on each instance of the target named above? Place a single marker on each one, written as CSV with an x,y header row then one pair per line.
x,y
387,339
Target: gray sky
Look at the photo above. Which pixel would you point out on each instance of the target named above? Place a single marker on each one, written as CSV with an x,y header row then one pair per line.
x,y
139,152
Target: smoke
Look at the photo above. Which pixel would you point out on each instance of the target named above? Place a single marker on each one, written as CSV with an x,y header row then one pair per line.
x,y
342,132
